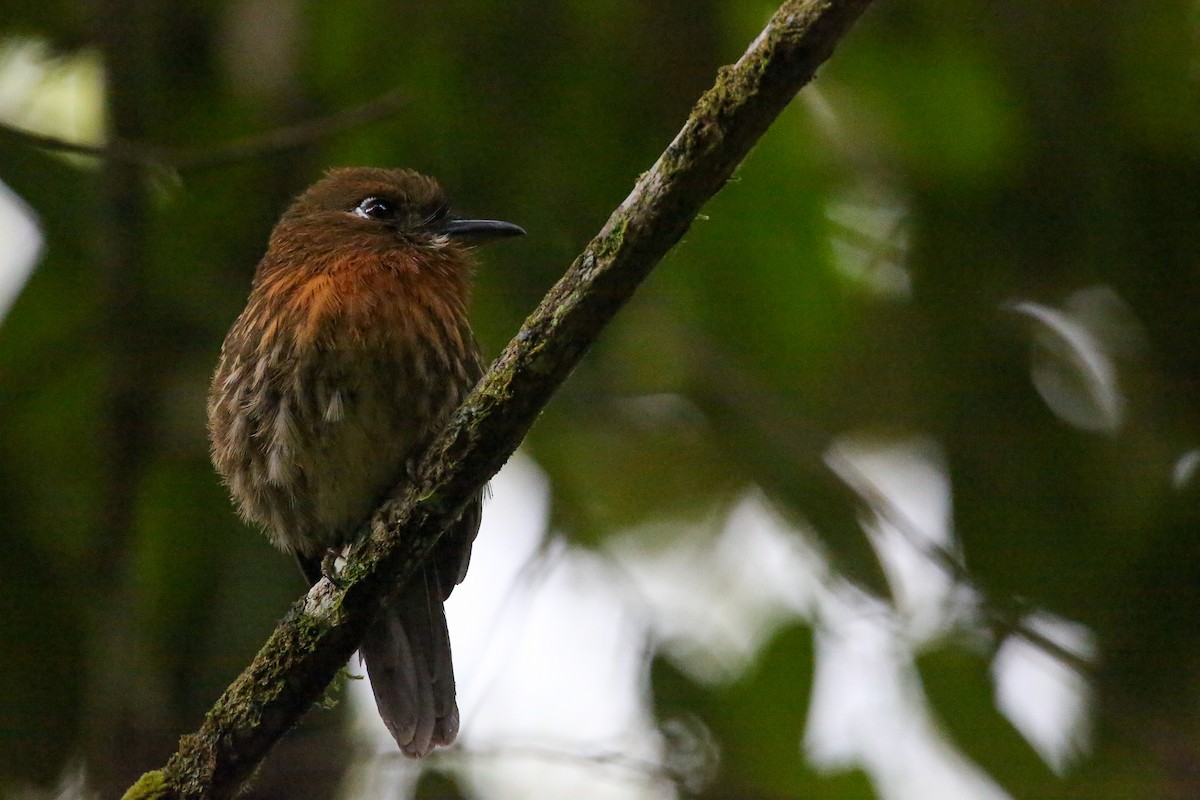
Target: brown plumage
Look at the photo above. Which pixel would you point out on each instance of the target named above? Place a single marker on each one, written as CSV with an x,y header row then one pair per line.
x,y
352,351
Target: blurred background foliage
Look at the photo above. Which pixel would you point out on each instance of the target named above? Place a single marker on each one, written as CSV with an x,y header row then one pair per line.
x,y
979,227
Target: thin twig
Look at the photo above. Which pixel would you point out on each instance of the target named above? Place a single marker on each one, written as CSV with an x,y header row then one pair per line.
x,y
187,159
1003,616
290,137
1001,621
635,767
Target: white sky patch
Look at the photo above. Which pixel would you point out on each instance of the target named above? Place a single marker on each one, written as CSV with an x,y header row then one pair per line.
x,y
903,481
572,686
1046,700
52,94
868,710
715,600
22,238
1184,471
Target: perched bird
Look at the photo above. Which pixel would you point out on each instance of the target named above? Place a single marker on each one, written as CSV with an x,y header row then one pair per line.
x,y
352,351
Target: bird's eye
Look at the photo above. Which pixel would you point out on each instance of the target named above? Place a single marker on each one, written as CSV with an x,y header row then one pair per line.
x,y
375,208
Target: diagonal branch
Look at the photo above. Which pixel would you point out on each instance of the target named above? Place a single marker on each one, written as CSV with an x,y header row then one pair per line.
x,y
322,630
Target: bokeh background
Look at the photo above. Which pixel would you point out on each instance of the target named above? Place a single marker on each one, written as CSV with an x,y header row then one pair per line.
x,y
884,485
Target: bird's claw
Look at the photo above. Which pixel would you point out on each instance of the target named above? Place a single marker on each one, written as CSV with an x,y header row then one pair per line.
x,y
329,567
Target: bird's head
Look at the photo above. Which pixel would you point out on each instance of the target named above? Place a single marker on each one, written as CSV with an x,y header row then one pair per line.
x,y
383,213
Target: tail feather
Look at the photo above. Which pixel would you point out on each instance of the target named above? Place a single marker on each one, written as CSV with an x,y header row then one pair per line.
x,y
407,656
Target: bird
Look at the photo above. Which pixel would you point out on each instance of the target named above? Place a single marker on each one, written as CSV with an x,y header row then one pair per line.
x,y
352,352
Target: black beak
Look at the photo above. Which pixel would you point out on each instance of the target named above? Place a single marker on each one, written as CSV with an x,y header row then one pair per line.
x,y
478,230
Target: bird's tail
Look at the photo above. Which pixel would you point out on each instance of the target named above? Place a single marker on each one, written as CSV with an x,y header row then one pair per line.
x,y
407,656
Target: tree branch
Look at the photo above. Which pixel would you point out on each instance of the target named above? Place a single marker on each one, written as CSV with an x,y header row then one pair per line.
x,y
321,631
183,159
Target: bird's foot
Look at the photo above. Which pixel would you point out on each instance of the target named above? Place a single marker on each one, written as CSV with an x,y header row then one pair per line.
x,y
330,568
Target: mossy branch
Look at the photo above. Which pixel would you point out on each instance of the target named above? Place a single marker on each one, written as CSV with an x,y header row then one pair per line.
x,y
322,630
